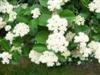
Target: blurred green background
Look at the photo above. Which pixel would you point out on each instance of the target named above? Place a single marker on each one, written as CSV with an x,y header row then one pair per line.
x,y
25,67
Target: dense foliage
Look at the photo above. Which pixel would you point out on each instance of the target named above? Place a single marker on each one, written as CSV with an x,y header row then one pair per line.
x,y
50,31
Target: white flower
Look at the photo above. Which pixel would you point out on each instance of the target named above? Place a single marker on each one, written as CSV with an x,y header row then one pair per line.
x,y
2,23
66,53
21,29
5,7
14,48
24,5
64,1
79,20
95,46
92,6
57,24
97,53
9,36
81,38
83,44
36,13
95,6
6,57
85,51
70,36
55,4
58,64
12,16
7,27
79,62
49,58
57,42
34,56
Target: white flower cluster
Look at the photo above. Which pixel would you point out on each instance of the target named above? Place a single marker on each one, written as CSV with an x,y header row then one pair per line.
x,y
21,29
16,48
2,23
6,57
5,7
85,51
56,41
9,36
69,36
7,28
66,53
95,6
95,47
36,13
12,16
47,57
24,5
57,24
79,20
82,39
34,56
55,4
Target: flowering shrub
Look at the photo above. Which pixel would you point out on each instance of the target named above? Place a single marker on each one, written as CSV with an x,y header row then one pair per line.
x,y
50,32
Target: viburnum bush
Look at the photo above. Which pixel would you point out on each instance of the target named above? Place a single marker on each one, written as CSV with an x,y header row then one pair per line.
x,y
50,32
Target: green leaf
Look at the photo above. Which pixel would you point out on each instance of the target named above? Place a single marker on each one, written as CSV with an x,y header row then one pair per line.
x,y
25,51
96,28
84,13
5,44
96,37
15,57
22,19
40,48
84,29
61,58
27,11
17,42
43,19
13,1
98,15
44,10
68,14
85,2
5,17
41,37
30,2
33,24
21,11
43,2
72,46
